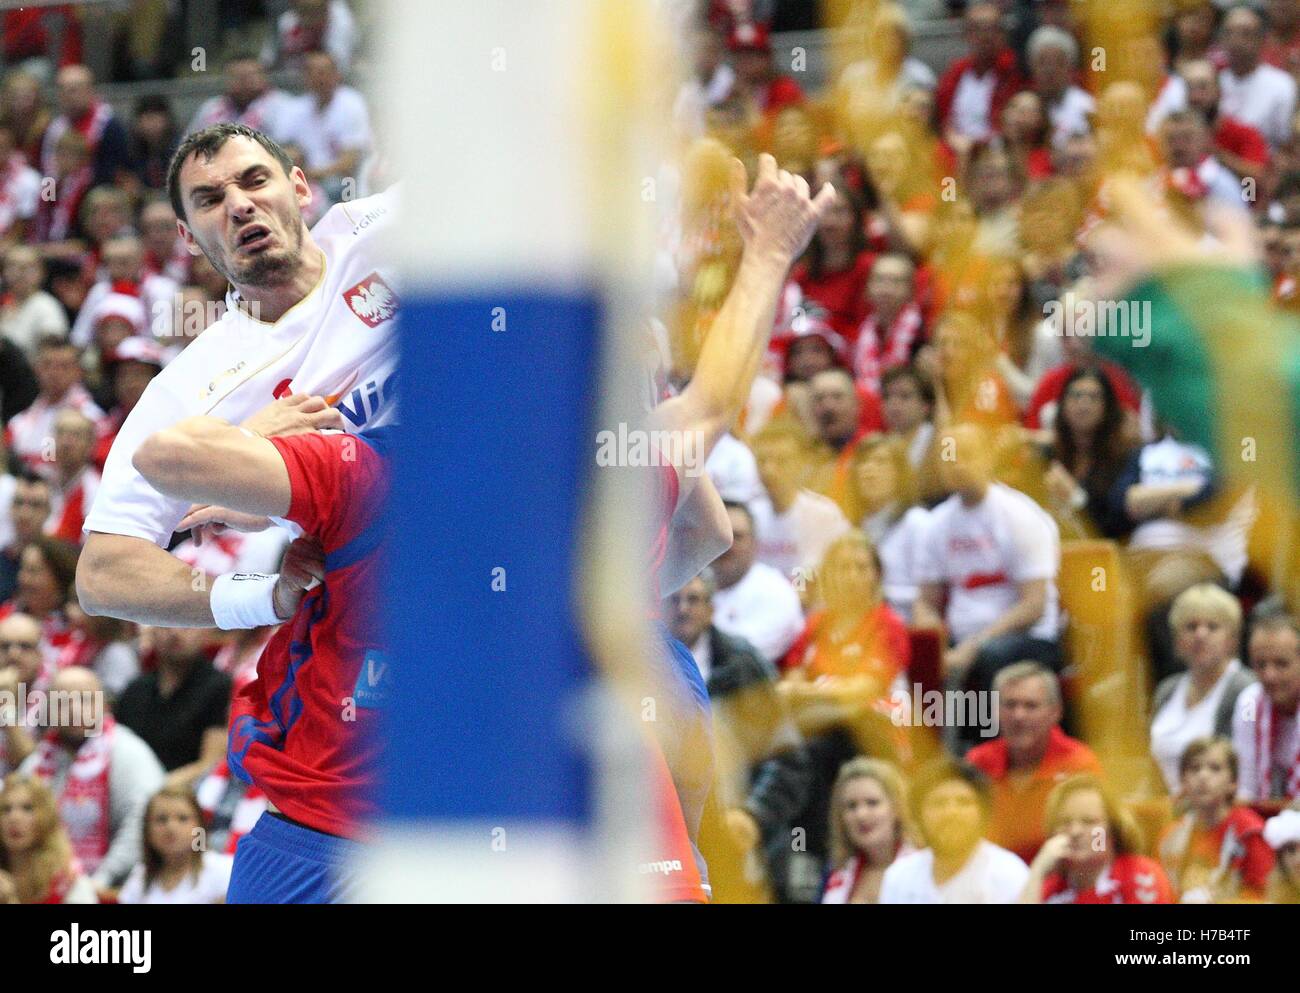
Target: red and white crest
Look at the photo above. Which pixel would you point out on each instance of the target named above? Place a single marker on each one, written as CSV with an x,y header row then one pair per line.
x,y
372,300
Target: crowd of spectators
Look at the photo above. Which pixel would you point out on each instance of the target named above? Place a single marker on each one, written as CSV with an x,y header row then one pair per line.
x,y
127,798
938,468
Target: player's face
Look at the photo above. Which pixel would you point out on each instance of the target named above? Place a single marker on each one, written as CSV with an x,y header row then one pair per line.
x,y
245,214
1083,821
18,820
1275,657
951,817
870,820
171,827
1209,779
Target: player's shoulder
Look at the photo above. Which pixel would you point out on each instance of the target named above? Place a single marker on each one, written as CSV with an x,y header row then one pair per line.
x,y
356,220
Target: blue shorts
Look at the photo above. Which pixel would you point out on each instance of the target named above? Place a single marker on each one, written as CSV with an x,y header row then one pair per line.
x,y
281,862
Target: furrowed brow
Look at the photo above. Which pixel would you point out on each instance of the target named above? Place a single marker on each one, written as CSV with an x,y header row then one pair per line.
x,y
249,173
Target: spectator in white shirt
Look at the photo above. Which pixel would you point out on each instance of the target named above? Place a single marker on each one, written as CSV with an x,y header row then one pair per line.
x,y
313,26
20,187
58,369
331,124
1266,720
1053,60
754,601
27,312
1206,622
249,99
710,83
1254,92
891,519
177,866
732,468
1188,145
958,865
123,267
996,554
792,525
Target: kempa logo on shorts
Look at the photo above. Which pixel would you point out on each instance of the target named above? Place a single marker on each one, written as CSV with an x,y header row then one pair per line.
x,y
667,868
635,448
78,947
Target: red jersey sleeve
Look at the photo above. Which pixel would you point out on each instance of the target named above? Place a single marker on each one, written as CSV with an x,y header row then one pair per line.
x,y
337,484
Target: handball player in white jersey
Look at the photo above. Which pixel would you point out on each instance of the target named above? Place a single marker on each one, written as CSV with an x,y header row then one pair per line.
x,y
308,312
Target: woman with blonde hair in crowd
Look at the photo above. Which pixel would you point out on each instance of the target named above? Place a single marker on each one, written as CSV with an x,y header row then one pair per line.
x,y
177,866
1092,854
1283,836
868,829
36,860
1198,703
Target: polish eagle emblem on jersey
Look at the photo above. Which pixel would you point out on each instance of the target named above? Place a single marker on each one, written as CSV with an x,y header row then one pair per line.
x,y
372,300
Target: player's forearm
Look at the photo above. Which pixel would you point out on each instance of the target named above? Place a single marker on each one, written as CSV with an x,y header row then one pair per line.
x,y
135,580
210,461
735,344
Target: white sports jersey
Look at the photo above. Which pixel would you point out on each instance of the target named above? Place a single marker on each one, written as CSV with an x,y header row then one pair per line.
x,y
338,341
983,554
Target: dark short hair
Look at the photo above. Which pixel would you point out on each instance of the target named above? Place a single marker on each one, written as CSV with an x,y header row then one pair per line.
x,y
923,384
942,771
207,142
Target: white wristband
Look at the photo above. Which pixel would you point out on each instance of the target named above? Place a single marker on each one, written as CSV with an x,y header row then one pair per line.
x,y
243,600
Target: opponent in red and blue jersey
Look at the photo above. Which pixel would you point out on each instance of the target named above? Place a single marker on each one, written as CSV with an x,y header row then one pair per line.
x,y
302,731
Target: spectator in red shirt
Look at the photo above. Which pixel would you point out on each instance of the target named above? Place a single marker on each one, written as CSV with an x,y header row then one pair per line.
x,y
835,268
1092,854
1237,145
133,365
1093,442
1215,852
1282,43
756,77
974,90
1044,404
894,328
1031,755
1025,131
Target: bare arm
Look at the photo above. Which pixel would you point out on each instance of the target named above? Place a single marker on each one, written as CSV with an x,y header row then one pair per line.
x,y
135,580
132,578
208,460
1027,610
776,222
700,532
